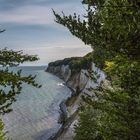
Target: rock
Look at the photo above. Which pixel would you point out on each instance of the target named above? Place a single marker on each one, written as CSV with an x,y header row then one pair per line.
x,y
63,113
80,82
84,79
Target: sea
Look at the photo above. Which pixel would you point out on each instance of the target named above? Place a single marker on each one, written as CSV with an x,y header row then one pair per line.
x,y
36,112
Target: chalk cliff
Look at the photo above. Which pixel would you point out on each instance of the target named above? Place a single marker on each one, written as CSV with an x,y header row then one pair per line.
x,y
81,80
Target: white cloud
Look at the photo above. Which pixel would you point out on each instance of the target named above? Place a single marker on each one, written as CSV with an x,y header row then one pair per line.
x,y
49,54
58,50
36,15
55,48
27,15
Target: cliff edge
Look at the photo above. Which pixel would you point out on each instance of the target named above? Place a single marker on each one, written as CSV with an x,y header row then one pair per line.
x,y
82,76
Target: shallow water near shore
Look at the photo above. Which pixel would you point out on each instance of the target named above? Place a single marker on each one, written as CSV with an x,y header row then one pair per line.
x,y
35,114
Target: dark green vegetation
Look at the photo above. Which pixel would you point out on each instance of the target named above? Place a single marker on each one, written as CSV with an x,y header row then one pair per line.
x,y
12,80
75,63
112,29
2,135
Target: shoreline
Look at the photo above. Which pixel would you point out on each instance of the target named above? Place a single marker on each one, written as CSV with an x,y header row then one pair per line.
x,y
65,121
80,81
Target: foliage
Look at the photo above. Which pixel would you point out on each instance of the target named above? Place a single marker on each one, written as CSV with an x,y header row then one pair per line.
x,y
11,81
75,63
89,122
112,29
2,137
83,63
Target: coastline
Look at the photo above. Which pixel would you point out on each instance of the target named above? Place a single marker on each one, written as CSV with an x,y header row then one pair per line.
x,y
48,101
80,79
64,120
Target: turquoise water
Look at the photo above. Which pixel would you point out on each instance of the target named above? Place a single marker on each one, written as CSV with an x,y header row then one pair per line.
x,y
36,112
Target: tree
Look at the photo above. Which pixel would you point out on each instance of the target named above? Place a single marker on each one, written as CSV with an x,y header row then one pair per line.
x,y
14,80
2,136
111,28
11,81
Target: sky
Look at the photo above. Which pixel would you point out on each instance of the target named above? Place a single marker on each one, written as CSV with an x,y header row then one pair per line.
x,y
30,27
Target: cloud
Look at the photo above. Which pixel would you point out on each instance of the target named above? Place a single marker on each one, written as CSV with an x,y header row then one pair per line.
x,y
36,14
30,15
49,43
50,54
58,50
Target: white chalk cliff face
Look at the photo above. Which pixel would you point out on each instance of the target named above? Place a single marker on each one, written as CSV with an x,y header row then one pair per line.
x,y
85,80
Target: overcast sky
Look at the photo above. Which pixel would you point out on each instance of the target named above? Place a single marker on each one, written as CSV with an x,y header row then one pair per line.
x,y
30,27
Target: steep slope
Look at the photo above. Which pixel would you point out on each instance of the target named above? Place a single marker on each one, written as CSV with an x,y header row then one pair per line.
x,y
79,73
82,76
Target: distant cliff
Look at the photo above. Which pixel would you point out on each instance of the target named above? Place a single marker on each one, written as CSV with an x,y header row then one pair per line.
x,y
79,73
82,76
